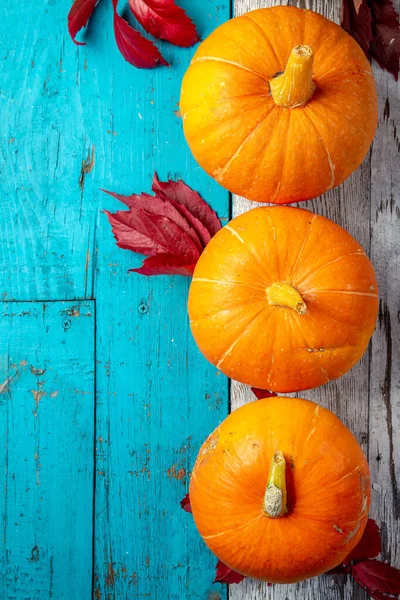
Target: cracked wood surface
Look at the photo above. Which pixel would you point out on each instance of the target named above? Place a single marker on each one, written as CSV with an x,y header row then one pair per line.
x,y
367,399
46,426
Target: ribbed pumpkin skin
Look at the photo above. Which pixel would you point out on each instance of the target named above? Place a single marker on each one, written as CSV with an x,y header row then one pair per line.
x,y
274,347
328,490
260,150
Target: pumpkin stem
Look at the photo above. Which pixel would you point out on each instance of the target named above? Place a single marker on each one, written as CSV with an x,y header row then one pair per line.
x,y
275,494
295,86
282,293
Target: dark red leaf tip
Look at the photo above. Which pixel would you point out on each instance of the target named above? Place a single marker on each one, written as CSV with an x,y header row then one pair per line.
x,y
78,17
185,504
261,394
224,574
135,48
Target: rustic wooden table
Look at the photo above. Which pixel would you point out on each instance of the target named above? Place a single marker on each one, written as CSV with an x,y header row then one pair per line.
x,y
104,398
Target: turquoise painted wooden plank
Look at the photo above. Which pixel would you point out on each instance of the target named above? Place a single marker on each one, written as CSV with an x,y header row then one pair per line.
x,y
157,401
47,203
157,397
47,427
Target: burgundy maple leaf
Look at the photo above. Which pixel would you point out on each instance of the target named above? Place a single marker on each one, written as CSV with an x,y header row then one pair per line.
x,y
171,228
180,193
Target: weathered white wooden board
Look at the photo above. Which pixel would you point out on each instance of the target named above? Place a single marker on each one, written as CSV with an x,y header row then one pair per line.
x,y
367,399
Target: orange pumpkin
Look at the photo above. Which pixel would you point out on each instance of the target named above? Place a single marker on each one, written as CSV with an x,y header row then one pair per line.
x,y
279,105
280,491
283,299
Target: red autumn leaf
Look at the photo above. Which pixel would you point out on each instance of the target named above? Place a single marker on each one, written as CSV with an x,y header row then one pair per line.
x,y
261,394
166,21
202,232
164,264
155,205
135,48
165,227
185,504
374,24
151,234
357,21
224,574
385,45
179,192
369,546
377,578
78,17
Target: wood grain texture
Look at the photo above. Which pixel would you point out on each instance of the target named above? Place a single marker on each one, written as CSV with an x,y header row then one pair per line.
x,y
49,129
384,416
157,401
157,398
367,399
47,427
